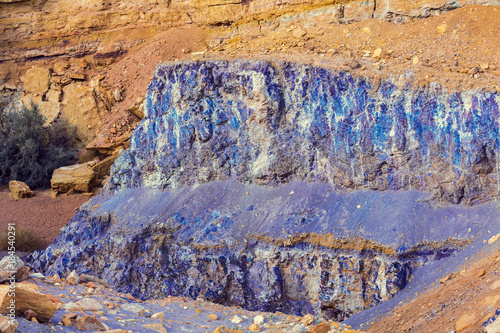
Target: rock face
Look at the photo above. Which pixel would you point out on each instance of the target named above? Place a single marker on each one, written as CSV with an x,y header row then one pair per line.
x,y
20,190
239,187
56,18
257,123
80,109
36,80
79,178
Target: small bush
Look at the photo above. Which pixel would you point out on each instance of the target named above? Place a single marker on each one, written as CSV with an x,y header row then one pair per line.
x,y
25,240
30,151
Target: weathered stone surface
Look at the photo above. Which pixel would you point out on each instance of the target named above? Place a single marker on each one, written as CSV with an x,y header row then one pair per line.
x,y
156,327
222,329
89,304
61,67
20,190
79,178
50,110
358,11
6,326
53,96
190,188
158,316
492,324
27,297
392,136
86,322
87,156
36,80
103,168
79,108
132,307
137,108
13,263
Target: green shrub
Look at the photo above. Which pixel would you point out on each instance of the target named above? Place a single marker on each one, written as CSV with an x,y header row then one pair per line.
x,y
25,240
29,151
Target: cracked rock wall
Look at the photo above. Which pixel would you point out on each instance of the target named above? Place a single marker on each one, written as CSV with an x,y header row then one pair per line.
x,y
239,187
269,124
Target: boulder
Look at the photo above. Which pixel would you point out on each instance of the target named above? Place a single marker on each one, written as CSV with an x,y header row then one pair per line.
x,y
465,321
36,80
79,109
132,307
73,278
87,155
27,297
321,328
13,263
6,325
31,101
156,327
87,322
78,178
103,167
29,314
158,316
19,190
54,96
89,304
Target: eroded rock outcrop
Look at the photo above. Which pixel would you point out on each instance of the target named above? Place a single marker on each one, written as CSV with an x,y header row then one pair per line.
x,y
260,123
238,188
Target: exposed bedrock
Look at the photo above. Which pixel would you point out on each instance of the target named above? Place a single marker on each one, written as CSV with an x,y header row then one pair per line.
x,y
250,183
313,250
270,124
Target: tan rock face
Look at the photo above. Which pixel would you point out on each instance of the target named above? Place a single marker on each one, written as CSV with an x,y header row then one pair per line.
x,y
20,190
78,177
359,11
103,167
137,108
79,109
73,278
36,80
53,96
61,67
50,110
27,297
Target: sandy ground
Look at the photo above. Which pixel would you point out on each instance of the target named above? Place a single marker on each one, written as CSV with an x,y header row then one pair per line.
x,y
42,213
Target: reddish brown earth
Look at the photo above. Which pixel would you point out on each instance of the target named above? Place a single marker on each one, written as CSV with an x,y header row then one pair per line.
x,y
42,214
458,302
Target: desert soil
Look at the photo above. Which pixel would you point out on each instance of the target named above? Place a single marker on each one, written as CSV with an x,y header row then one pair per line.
x,y
42,214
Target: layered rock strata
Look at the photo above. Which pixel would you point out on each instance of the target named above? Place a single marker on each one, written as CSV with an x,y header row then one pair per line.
x,y
286,187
